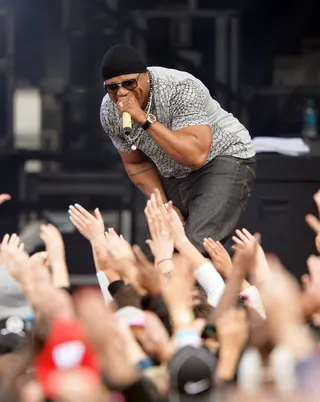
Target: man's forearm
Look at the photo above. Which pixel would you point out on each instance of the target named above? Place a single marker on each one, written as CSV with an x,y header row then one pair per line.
x,y
146,177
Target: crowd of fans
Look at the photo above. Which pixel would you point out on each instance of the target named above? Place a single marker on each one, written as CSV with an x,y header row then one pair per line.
x,y
183,328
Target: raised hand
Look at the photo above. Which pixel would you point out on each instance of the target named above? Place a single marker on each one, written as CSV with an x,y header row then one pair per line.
x,y
90,226
13,241
44,294
159,222
179,214
245,240
53,241
99,324
179,234
314,222
233,330
14,257
155,339
244,237
41,277
118,247
147,276
281,283
41,256
219,256
311,281
311,287
103,261
4,198
20,266
281,298
177,292
316,198
121,258
245,255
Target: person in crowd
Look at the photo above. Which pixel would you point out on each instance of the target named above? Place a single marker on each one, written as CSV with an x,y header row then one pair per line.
x,y
148,334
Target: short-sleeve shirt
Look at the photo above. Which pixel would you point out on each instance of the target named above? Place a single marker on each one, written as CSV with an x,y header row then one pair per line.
x,y
179,100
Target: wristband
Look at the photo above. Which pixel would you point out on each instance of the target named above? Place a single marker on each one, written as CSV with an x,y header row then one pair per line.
x,y
206,265
104,283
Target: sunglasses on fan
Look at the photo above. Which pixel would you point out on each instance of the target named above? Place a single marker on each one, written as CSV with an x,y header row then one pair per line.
x,y
130,85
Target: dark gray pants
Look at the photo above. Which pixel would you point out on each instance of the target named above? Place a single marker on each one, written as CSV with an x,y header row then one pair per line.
x,y
213,198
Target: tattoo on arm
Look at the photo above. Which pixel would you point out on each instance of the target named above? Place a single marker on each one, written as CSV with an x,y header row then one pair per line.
x,y
141,171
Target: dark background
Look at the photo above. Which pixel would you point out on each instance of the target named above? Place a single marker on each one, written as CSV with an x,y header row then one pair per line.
x,y
260,59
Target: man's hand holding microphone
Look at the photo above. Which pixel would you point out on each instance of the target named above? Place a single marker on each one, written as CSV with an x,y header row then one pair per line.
x,y
131,111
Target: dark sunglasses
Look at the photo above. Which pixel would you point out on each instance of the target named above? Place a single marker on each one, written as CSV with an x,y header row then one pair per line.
x,y
130,85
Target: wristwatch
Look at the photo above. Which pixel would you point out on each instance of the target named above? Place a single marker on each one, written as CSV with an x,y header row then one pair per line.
x,y
150,120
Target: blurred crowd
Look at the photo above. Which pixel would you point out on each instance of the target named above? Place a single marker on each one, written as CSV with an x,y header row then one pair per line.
x,y
228,326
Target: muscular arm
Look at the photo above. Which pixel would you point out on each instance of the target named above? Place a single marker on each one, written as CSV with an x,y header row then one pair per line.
x,y
189,146
189,138
143,173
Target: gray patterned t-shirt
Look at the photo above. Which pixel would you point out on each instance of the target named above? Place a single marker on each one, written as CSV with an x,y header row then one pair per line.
x,y
179,100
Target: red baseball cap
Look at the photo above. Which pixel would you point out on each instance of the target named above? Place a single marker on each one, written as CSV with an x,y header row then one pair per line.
x,y
65,349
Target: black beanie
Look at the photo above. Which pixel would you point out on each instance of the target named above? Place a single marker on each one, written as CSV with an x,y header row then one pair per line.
x,y
121,60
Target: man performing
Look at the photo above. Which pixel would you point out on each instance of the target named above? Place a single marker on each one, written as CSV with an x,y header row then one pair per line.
x,y
182,142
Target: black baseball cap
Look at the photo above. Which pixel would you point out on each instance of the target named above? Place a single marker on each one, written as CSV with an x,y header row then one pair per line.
x,y
192,373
